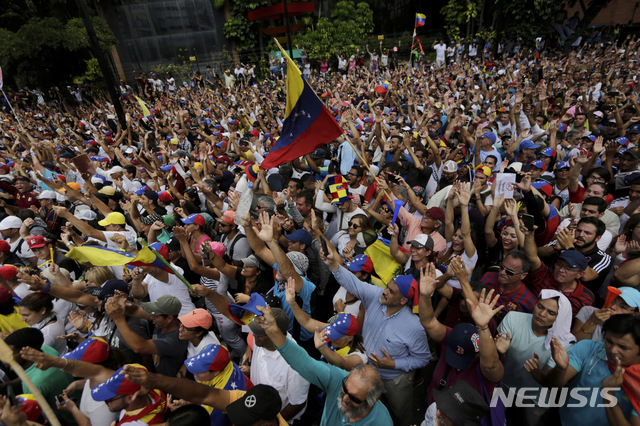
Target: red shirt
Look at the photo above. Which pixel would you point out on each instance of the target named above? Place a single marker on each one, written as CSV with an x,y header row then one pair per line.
x,y
542,278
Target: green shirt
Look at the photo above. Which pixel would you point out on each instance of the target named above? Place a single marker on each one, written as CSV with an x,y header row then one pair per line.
x,y
50,382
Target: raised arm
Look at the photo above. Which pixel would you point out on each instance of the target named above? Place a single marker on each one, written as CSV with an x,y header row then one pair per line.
x,y
482,312
302,317
465,228
75,368
436,330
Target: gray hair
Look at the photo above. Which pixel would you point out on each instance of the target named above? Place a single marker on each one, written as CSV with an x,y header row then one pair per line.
x,y
369,374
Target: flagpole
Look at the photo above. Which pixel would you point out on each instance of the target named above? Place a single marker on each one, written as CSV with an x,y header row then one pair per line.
x,y
12,110
364,163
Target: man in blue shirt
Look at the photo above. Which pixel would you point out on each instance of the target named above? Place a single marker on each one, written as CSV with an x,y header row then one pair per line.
x,y
395,342
589,364
351,397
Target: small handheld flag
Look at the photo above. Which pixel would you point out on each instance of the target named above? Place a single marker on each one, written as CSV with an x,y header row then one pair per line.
x,y
421,19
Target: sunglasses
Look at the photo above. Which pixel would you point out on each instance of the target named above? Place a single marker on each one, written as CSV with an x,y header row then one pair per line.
x,y
346,392
509,272
81,307
385,209
354,225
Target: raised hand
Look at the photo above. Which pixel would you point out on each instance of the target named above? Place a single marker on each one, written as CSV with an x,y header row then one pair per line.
x,y
503,342
320,337
559,354
458,268
614,380
265,233
484,310
428,280
290,292
511,207
532,363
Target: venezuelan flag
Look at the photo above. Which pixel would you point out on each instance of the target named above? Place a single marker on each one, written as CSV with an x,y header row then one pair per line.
x,y
421,19
102,256
308,124
384,264
143,106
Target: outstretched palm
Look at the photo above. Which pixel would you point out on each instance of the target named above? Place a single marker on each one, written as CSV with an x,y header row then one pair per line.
x,y
484,310
266,230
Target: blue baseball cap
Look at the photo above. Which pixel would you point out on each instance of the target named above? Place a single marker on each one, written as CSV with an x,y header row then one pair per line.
x,y
631,296
527,144
490,135
575,259
301,236
548,152
116,385
166,167
343,324
462,346
562,165
212,358
538,164
141,190
361,262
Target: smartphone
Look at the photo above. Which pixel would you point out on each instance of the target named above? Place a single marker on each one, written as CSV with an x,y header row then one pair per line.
x,y
205,252
325,249
527,220
59,400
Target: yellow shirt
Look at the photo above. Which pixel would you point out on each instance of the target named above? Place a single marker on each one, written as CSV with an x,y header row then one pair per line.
x,y
12,322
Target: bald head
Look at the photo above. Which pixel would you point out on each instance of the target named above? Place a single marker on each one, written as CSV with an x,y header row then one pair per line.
x,y
369,377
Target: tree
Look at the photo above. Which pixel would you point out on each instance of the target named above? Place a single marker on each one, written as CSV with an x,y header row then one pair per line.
x,y
346,31
40,44
589,15
241,33
499,19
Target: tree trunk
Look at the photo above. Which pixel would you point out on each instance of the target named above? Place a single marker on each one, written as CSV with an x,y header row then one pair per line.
x,y
594,8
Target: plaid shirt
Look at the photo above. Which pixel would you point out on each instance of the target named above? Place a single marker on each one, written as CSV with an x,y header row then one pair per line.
x,y
520,300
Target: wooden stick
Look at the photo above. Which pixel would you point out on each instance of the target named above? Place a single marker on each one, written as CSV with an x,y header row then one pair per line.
x,y
6,355
364,163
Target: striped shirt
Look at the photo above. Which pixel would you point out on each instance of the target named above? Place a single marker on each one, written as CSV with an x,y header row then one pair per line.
x,y
520,300
542,278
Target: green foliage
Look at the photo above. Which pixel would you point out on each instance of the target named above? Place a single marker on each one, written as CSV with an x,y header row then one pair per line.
x,y
500,18
238,29
92,76
180,72
346,31
40,45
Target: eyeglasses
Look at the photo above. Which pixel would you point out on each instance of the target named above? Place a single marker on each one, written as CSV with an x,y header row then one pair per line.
x,y
354,225
81,307
346,392
565,266
509,272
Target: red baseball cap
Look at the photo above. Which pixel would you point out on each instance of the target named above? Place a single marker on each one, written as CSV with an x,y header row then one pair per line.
x,y
4,246
8,271
37,242
165,197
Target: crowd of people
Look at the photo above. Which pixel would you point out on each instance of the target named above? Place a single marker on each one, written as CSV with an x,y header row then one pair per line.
x,y
476,228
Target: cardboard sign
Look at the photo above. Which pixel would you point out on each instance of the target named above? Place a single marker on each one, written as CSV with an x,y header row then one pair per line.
x,y
85,166
505,183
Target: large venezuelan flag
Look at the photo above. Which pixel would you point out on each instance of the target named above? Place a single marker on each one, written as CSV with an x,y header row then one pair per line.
x,y
308,123
102,256
421,19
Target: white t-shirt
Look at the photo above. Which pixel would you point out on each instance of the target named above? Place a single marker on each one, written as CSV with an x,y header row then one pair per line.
x,y
352,308
97,411
208,339
174,287
583,315
129,234
441,50
23,252
468,264
269,367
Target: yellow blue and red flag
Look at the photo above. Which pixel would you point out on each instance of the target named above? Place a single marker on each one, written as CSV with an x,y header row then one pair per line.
x,y
102,256
421,19
143,106
308,124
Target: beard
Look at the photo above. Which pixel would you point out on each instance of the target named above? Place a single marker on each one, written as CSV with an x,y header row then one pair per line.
x,y
351,411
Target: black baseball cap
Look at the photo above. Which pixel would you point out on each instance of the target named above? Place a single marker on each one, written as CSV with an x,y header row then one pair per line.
x,y
260,403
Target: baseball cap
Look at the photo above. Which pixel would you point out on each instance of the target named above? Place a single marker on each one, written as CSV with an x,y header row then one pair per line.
x,y
4,246
252,171
484,170
261,402
172,244
113,218
635,128
490,135
165,197
29,405
361,262
174,141
538,164
169,220
342,324
436,213
116,385
631,296
562,127
575,259
599,114
623,141
107,190
10,222
461,403
218,248
548,152
108,288
319,153
450,166
212,358
151,194
93,350
88,215
462,346
527,144
163,305
543,187
37,242
300,235
227,217
197,318
252,262
282,320
8,271
562,165
47,195
422,241
408,287
245,313
196,218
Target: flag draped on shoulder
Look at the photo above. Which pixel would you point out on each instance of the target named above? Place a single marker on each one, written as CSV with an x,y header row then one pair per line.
x,y
102,256
307,122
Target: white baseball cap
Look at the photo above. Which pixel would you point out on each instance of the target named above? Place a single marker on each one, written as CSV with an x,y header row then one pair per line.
x,y
10,222
47,195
